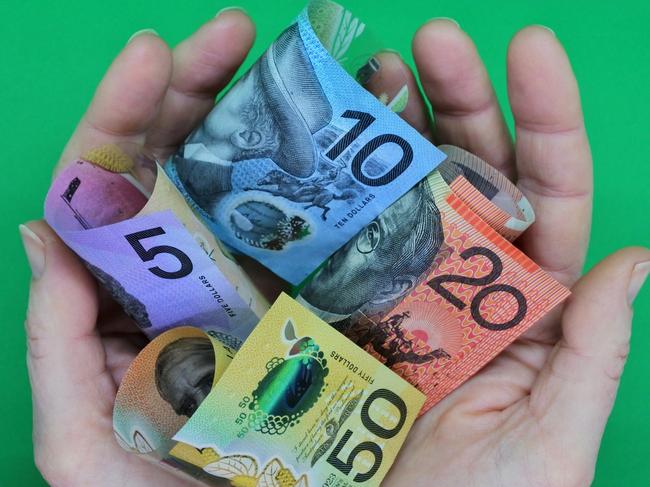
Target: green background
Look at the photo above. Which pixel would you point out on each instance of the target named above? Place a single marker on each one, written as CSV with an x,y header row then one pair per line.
x,y
54,53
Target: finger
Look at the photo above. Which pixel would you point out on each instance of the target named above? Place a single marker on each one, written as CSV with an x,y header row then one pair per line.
x,y
127,100
575,391
203,65
65,357
387,83
553,155
465,109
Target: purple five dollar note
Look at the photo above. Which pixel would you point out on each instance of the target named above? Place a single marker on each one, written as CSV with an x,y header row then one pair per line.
x,y
150,262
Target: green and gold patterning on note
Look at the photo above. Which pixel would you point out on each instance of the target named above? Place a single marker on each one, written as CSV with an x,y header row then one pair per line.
x,y
298,405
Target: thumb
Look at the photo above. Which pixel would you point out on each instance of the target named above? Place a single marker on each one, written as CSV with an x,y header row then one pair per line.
x,y
576,388
65,356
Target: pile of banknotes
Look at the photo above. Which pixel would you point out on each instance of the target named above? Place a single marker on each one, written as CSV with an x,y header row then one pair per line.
x,y
396,257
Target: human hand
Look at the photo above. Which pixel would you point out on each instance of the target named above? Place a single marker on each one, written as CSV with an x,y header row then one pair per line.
x,y
79,353
536,414
80,342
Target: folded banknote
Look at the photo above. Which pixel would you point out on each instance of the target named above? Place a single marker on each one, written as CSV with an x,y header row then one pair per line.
x,y
297,157
298,194
433,286
151,252
298,405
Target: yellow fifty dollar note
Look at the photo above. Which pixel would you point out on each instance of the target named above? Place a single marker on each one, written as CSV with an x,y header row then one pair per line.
x,y
299,405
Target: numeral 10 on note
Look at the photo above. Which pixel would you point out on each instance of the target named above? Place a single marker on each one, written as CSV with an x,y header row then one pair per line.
x,y
365,120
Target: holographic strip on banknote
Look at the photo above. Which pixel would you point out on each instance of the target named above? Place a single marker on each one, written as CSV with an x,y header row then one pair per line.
x,y
299,405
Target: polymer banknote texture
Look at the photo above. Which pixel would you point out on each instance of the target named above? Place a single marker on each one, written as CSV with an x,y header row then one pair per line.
x,y
297,157
298,405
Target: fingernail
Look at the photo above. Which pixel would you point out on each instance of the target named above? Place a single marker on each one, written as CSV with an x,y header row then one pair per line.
x,y
639,274
547,28
448,19
388,50
35,250
141,32
227,9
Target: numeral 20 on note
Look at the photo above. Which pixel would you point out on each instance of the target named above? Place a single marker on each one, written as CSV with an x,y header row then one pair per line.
x,y
475,305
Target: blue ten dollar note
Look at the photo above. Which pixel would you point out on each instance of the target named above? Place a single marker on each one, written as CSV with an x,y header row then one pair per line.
x,y
297,157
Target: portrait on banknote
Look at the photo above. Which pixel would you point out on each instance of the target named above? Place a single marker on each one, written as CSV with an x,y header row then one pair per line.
x,y
185,372
132,305
271,113
375,270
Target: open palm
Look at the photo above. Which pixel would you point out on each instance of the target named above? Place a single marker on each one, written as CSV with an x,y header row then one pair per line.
x,y
534,416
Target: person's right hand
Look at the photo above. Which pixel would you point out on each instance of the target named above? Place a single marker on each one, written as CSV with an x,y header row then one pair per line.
x,y
80,343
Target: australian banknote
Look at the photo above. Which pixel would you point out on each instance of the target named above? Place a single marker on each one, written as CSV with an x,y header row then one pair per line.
x,y
297,157
298,405
430,286
150,251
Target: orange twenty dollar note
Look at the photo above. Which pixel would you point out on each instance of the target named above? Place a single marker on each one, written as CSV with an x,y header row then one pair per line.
x,y
481,293
462,291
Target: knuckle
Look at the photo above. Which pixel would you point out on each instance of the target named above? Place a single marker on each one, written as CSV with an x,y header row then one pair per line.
x,y
614,367
36,346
